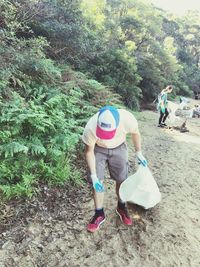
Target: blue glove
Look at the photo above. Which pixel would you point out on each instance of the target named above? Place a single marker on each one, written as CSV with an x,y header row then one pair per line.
x,y
98,186
141,159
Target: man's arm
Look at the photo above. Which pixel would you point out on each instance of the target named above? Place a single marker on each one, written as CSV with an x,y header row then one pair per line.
x,y
90,158
136,138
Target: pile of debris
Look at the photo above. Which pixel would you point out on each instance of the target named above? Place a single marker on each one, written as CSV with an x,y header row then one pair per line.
x,y
182,128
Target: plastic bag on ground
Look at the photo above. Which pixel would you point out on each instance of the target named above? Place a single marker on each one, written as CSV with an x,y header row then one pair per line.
x,y
141,189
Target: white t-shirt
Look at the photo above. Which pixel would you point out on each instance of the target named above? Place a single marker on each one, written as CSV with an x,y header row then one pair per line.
x,y
127,124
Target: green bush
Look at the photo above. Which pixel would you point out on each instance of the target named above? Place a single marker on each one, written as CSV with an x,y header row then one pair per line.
x,y
41,125
37,138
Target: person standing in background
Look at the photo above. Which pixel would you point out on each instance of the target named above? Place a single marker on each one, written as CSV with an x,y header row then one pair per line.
x,y
162,105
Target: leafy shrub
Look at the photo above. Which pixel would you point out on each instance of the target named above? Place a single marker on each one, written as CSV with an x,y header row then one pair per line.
x,y
40,135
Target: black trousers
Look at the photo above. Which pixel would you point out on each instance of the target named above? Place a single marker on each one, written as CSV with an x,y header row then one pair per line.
x,y
163,116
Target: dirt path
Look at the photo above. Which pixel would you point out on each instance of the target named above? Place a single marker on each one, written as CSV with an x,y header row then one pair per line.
x,y
166,236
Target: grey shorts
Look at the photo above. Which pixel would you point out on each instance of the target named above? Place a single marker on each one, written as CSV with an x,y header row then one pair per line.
x,y
115,158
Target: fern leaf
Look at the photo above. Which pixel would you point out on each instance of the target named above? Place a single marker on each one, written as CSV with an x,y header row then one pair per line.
x,y
12,148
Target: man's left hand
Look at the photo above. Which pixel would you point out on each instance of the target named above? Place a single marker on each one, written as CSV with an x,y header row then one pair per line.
x,y
141,159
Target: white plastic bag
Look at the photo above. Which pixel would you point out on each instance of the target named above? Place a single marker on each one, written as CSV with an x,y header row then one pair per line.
x,y
141,189
172,107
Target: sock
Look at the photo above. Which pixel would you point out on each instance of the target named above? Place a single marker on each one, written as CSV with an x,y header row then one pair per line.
x,y
99,212
121,205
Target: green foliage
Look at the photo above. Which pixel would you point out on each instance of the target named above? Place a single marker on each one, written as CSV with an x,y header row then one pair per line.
x,y
41,124
17,176
120,73
37,133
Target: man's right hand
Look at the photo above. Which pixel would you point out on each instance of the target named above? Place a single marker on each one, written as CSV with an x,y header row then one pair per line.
x,y
98,186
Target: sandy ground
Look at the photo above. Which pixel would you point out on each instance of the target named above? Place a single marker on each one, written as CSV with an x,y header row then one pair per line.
x,y
53,232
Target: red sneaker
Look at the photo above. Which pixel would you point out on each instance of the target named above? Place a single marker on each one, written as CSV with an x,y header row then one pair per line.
x,y
95,223
124,216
